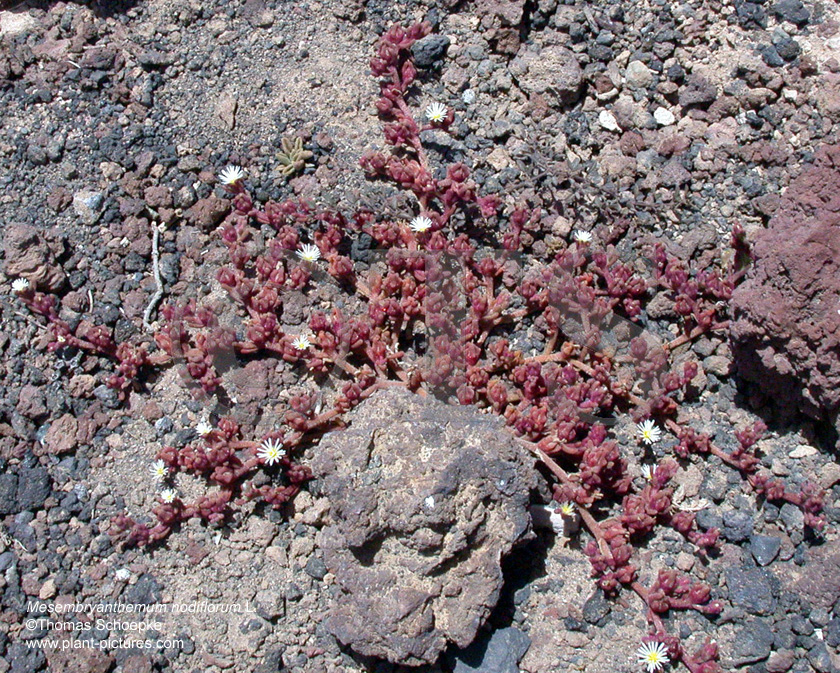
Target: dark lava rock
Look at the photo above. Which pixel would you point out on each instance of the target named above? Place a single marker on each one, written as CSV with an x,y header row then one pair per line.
x,y
709,518
752,589
496,652
793,11
737,525
751,15
786,46
23,659
8,493
145,591
820,659
764,548
34,487
786,330
6,560
770,56
832,633
801,626
819,617
428,50
596,607
315,568
783,636
426,500
753,642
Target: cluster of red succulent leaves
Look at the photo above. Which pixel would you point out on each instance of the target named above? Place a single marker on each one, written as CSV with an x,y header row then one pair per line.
x,y
552,401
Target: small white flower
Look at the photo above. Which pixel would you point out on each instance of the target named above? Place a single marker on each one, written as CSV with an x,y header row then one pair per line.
x,y
647,472
567,509
123,574
653,655
168,495
159,470
649,432
582,236
203,428
420,224
271,451
309,253
301,343
20,285
231,175
436,112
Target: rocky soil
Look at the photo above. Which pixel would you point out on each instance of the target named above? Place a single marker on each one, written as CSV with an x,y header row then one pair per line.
x,y
675,120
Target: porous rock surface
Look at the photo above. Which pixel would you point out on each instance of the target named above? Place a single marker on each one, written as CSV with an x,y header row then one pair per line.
x,y
553,72
29,256
786,328
426,499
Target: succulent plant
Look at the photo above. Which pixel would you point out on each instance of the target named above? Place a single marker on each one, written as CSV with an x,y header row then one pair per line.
x,y
293,157
554,401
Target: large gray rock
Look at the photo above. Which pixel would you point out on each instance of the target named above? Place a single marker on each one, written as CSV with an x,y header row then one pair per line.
x,y
426,499
553,72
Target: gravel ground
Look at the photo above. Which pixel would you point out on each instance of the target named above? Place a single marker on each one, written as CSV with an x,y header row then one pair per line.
x,y
682,119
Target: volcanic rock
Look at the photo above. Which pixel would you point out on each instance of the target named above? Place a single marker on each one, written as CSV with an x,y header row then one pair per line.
x,y
426,500
786,328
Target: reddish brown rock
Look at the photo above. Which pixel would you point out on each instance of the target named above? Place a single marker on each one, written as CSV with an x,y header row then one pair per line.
x,y
77,660
59,198
158,197
31,402
207,213
28,256
61,437
786,327
819,579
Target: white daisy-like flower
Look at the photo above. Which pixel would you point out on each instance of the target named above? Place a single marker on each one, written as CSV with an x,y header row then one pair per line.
x,y
420,224
203,428
123,574
436,112
582,236
168,495
647,472
20,285
567,509
301,343
159,470
653,656
271,451
650,434
230,175
309,252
